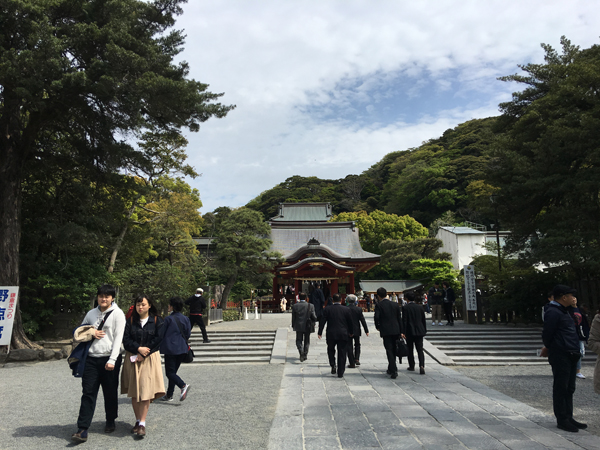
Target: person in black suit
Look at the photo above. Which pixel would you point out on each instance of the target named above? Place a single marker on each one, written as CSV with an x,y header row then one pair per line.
x,y
388,320
303,323
415,326
357,318
339,331
317,298
449,299
197,306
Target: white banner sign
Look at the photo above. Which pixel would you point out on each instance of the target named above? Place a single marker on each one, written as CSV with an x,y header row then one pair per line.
x,y
470,288
8,307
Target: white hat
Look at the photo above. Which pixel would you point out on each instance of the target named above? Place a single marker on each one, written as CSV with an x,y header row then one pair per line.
x,y
199,290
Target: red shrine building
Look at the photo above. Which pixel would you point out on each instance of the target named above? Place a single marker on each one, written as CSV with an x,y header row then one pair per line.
x,y
316,251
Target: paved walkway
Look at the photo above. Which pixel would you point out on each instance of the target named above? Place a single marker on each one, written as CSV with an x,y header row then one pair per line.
x,y
443,409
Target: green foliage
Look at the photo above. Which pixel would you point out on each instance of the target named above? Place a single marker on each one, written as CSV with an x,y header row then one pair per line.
x,y
400,254
432,270
230,315
378,226
159,280
546,163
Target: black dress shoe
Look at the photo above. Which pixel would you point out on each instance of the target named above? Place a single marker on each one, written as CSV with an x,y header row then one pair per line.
x,y
357,362
333,370
395,375
208,341
412,369
567,426
110,427
581,426
389,372
351,366
422,370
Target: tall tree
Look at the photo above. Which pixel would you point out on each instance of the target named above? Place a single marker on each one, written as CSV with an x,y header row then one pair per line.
x,y
547,163
242,250
90,72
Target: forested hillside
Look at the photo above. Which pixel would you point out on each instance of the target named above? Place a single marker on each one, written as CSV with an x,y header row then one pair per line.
x,y
443,174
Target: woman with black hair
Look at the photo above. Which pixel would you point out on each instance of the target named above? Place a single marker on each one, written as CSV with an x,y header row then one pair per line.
x,y
176,333
142,378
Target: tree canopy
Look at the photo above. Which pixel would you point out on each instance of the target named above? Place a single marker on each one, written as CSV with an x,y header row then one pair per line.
x,y
78,80
546,164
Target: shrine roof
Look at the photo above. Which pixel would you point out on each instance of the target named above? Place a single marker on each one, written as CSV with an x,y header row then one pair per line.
x,y
340,237
303,212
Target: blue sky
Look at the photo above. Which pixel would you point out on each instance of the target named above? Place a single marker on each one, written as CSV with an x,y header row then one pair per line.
x,y
327,88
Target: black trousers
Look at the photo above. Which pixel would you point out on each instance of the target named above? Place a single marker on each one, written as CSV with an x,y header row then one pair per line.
x,y
172,363
94,376
448,311
354,354
564,368
389,342
302,341
197,318
341,345
415,342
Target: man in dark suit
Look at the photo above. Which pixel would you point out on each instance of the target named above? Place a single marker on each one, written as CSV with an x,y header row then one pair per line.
x,y
339,331
358,318
317,299
303,323
388,320
197,306
415,327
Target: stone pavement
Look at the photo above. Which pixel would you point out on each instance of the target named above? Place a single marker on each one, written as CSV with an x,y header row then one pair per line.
x,y
443,409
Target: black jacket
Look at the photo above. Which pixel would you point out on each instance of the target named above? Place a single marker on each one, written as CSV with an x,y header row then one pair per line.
x,y
435,296
449,297
197,304
388,318
339,323
303,317
413,319
559,334
149,336
357,318
317,298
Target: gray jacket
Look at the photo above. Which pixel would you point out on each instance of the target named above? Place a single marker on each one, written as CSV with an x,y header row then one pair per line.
x,y
303,317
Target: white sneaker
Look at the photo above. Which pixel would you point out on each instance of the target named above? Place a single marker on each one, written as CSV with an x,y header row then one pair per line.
x,y
432,324
184,392
440,324
580,375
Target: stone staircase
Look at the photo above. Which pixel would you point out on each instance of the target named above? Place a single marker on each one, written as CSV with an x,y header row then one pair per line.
x,y
490,345
233,347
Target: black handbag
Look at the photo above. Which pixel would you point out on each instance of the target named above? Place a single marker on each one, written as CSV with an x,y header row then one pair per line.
x,y
401,348
189,357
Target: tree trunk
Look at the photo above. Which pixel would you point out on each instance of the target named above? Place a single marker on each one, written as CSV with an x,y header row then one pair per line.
x,y
230,282
10,232
113,256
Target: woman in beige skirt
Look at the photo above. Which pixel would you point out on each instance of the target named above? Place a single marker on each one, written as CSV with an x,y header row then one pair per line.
x,y
142,378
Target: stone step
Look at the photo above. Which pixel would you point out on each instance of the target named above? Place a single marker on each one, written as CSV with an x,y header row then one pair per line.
x,y
231,348
232,360
233,339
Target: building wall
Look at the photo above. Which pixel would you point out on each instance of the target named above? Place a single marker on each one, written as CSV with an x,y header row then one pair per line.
x,y
463,247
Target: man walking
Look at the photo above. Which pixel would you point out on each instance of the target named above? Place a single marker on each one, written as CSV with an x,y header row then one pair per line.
x,y
358,318
197,306
388,320
435,298
303,323
317,298
561,339
103,362
449,300
415,327
339,331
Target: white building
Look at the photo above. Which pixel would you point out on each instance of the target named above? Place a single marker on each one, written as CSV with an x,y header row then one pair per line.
x,y
464,243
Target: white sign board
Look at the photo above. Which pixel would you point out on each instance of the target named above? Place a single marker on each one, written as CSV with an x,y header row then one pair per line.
x,y
8,307
470,288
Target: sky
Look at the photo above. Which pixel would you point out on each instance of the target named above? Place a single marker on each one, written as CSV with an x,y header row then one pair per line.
x,y
327,88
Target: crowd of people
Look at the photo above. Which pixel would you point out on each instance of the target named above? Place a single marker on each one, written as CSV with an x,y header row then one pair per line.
x,y
393,319
144,335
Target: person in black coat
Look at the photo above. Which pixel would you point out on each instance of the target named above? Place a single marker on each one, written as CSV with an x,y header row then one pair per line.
x,y
449,299
176,333
415,327
197,306
303,323
317,298
388,320
358,318
561,339
339,331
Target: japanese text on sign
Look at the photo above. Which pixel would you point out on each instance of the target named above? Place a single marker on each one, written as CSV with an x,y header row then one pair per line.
x,y
8,304
470,288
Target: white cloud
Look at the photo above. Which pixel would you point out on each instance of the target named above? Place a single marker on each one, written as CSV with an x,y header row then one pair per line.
x,y
313,80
